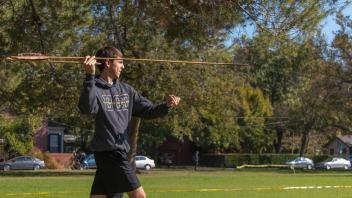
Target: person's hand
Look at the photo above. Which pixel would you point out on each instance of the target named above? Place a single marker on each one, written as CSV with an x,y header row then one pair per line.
x,y
172,100
89,64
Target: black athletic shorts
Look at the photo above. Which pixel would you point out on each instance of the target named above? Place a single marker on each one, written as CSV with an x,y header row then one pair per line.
x,y
114,174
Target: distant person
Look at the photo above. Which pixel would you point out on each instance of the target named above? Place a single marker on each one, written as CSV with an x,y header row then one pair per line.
x,y
196,159
113,103
82,157
168,159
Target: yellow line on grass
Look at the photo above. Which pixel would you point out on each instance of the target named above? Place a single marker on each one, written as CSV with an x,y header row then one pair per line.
x,y
245,189
39,193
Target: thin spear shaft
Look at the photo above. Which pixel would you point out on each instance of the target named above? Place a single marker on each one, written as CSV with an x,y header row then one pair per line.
x,y
79,60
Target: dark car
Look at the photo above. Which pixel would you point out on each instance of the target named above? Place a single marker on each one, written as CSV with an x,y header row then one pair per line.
x,y
300,162
23,163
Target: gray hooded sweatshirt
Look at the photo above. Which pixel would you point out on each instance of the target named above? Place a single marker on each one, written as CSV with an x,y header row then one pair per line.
x,y
113,107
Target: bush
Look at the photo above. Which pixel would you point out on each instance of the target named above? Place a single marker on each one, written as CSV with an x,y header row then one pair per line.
x,y
212,160
50,163
35,152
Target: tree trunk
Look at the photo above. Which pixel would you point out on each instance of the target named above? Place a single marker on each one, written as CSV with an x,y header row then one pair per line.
x,y
38,24
278,140
118,40
305,138
304,143
133,139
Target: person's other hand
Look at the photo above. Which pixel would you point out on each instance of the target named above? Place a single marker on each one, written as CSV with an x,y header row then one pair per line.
x,y
89,64
172,100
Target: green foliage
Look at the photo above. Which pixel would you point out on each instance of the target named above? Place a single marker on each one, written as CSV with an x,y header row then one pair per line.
x,y
18,133
254,112
223,109
287,55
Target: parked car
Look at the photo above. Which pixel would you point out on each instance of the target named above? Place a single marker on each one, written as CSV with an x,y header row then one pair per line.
x,y
23,163
335,163
142,162
88,162
165,159
300,162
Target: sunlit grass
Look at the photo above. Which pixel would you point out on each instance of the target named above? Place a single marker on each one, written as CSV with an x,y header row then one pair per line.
x,y
207,183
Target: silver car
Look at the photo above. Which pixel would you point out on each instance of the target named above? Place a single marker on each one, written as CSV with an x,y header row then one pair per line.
x,y
23,163
300,162
336,162
143,162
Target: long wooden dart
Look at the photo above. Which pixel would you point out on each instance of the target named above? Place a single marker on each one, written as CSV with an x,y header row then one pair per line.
x,y
79,60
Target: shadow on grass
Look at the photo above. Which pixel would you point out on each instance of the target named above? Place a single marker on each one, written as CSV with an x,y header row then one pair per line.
x,y
281,170
300,171
47,173
63,173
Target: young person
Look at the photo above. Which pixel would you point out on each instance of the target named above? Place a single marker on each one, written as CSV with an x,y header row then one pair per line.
x,y
114,103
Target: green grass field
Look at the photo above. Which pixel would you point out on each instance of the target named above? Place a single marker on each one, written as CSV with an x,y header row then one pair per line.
x,y
161,183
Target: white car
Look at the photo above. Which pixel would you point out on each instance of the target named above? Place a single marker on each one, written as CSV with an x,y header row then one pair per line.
x,y
143,162
335,163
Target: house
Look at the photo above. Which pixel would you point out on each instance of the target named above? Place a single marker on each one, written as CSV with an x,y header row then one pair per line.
x,y
51,138
340,146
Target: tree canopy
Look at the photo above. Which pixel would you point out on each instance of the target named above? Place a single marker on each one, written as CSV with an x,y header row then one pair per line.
x,y
295,81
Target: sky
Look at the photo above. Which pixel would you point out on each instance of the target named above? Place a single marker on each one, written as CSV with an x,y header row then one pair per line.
x,y
329,27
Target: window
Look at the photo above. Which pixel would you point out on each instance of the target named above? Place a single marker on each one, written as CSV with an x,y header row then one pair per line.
x,y
19,159
28,159
344,151
331,151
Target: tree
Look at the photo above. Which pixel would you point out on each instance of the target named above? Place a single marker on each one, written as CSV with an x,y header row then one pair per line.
x,y
42,90
182,31
213,97
278,50
65,27
255,111
327,101
18,133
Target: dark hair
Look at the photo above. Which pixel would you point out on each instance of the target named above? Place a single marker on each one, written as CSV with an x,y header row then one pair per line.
x,y
108,52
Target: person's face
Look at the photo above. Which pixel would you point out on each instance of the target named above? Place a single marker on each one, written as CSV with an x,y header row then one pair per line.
x,y
116,67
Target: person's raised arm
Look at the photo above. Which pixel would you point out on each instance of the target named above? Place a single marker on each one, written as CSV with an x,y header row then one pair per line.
x,y
88,100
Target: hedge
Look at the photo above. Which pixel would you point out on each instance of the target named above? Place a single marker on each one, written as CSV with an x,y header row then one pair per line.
x,y
234,160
